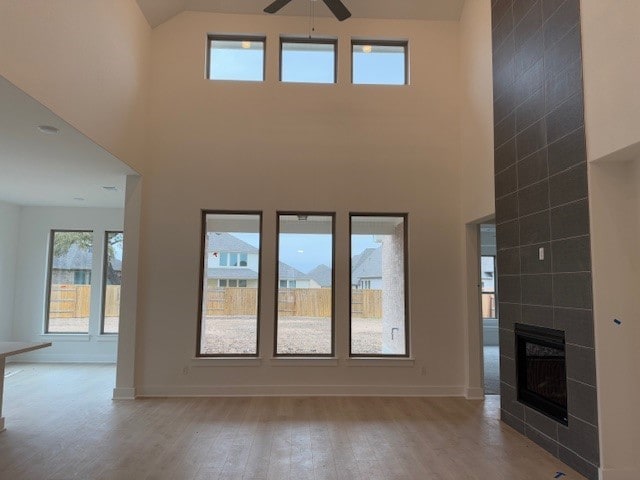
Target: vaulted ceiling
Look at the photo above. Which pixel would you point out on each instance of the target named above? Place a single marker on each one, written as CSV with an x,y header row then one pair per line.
x,y
159,11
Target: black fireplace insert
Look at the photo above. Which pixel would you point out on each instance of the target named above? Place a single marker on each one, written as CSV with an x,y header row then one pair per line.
x,y
541,370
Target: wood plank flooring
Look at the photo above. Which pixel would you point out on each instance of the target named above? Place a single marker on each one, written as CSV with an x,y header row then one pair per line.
x,y
62,425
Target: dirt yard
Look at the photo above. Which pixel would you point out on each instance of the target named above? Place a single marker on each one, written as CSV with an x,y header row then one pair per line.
x,y
295,335
76,325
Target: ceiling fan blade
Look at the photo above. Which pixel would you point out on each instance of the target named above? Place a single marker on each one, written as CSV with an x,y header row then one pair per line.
x,y
275,6
339,10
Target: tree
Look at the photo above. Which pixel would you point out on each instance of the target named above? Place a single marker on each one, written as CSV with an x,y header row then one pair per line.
x,y
84,241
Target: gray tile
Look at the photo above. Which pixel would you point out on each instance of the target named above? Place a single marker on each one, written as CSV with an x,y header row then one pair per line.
x,y
507,208
505,155
581,364
507,235
563,52
572,290
509,261
521,8
580,438
534,228
569,185
538,316
531,23
529,53
531,139
566,118
501,31
549,7
498,10
533,198
561,21
567,151
579,464
533,168
530,111
536,289
508,370
512,421
577,325
582,401
505,130
507,343
508,315
542,423
509,288
503,105
570,220
509,401
572,255
504,77
542,440
530,81
507,181
530,259
503,54
562,86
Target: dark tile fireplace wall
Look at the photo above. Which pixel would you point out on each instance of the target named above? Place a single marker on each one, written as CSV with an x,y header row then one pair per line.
x,y
542,201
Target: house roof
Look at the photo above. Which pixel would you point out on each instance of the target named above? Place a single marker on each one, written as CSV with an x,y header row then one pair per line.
x,y
322,275
287,272
76,258
232,273
225,242
367,265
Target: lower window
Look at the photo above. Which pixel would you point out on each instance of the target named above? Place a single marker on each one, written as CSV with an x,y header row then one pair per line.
x,y
379,324
230,289
69,286
304,302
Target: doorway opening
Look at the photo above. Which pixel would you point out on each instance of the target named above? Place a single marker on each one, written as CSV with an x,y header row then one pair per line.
x,y
489,296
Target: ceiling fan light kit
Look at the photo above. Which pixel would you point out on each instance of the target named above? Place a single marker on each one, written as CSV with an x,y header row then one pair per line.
x,y
339,10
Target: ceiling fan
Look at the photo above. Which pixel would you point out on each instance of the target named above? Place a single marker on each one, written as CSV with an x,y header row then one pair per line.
x,y
336,6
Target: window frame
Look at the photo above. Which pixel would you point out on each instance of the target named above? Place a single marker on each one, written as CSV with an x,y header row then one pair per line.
x,y
105,261
310,41
236,38
332,354
407,323
204,259
47,312
494,292
381,43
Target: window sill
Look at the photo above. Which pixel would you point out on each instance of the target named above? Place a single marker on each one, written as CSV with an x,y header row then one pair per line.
x,y
225,362
107,337
379,362
66,337
304,361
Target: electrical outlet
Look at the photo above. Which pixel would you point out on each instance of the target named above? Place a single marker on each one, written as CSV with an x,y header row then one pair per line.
x,y
185,371
541,253
423,371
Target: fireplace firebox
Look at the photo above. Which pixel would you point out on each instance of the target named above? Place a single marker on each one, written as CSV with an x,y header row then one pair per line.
x,y
541,370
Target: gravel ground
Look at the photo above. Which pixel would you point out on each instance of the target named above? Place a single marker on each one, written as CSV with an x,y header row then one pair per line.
x,y
74,325
295,335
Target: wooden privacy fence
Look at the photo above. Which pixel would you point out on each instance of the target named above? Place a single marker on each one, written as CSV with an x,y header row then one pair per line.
x,y
73,301
292,302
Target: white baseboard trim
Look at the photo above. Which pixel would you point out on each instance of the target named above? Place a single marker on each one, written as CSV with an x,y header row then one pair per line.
x,y
63,358
619,474
474,393
298,390
124,393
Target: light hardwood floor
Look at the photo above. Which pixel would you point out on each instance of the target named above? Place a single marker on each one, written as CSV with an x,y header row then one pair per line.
x,y
62,424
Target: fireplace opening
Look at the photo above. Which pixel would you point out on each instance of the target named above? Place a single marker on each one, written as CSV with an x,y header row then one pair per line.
x,y
541,370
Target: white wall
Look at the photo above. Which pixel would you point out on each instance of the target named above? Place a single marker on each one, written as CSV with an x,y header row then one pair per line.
x,y
610,42
309,147
9,224
36,224
476,114
615,236
85,60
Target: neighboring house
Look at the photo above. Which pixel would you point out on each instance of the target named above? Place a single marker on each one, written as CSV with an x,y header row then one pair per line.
x,y
366,269
72,268
235,263
322,275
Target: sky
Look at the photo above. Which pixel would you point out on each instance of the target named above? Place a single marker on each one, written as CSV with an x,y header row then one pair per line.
x,y
316,66
306,251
